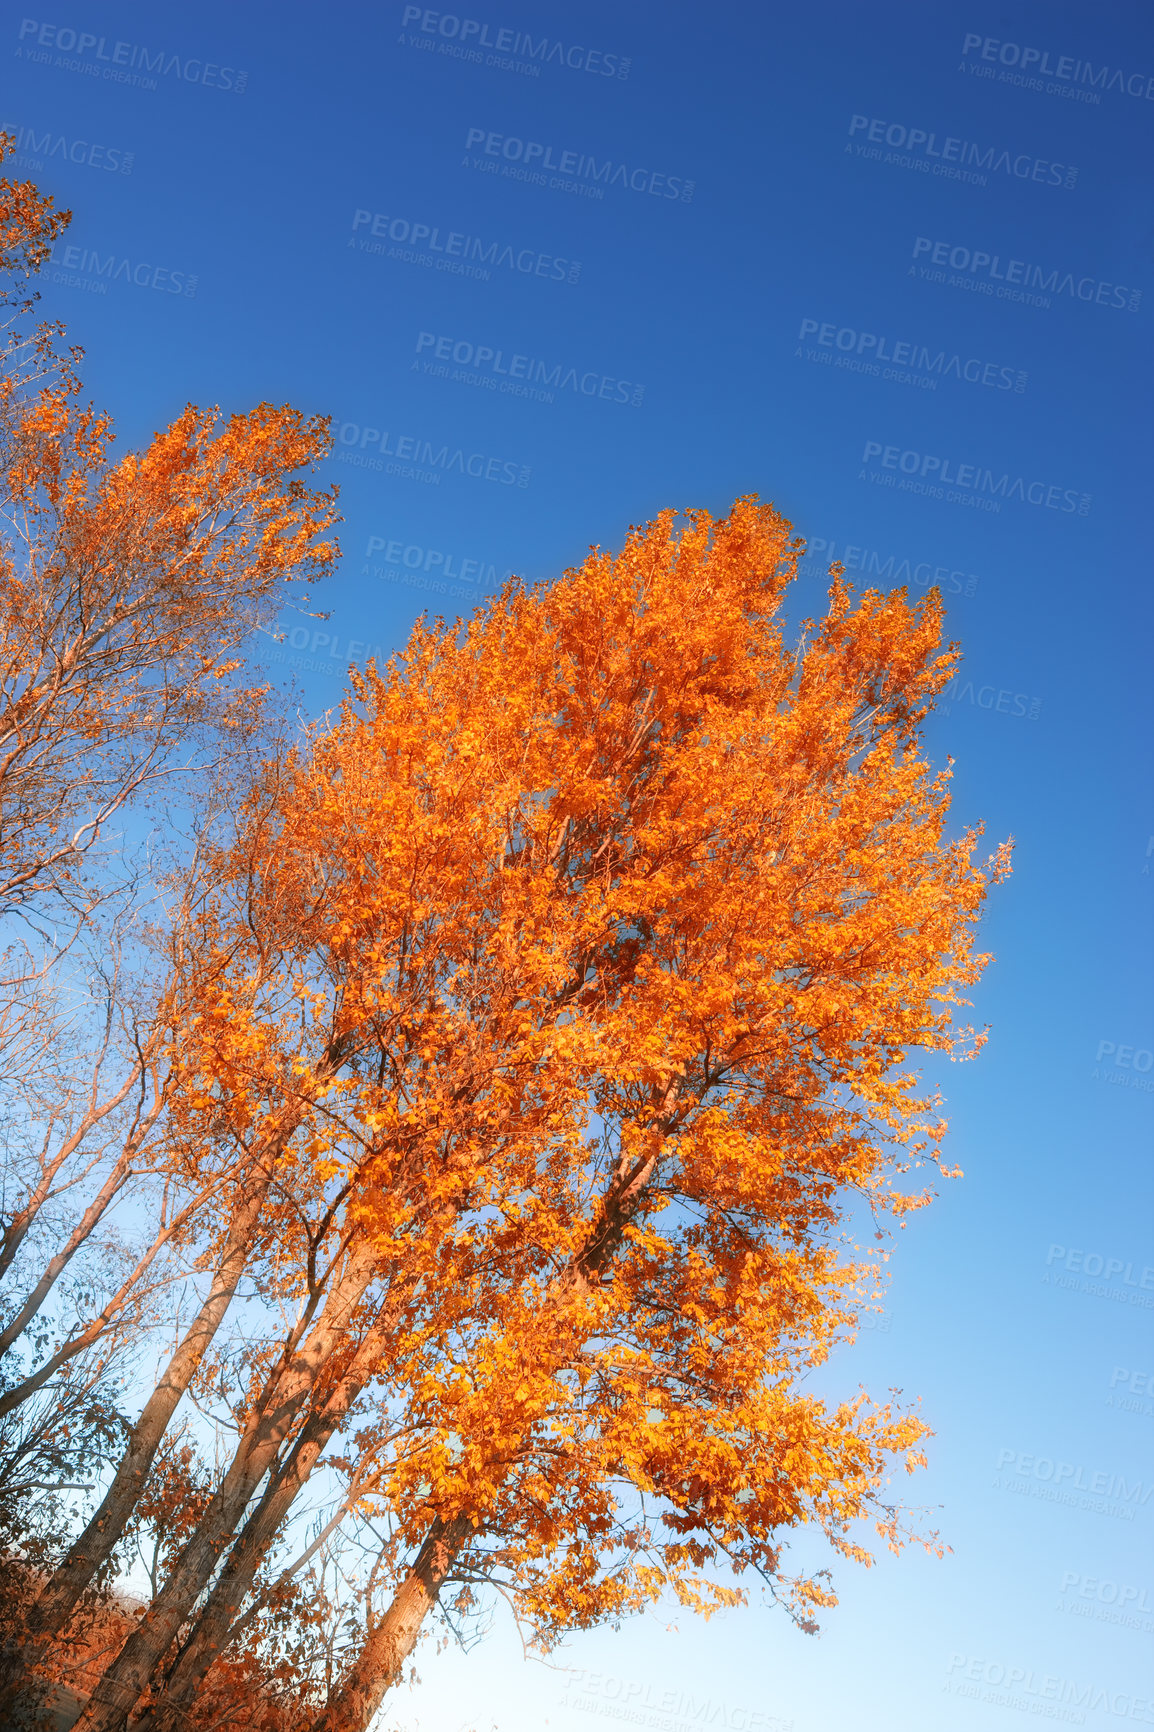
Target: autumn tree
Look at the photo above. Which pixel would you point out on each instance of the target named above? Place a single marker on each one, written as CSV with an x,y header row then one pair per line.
x,y
632,1420
629,913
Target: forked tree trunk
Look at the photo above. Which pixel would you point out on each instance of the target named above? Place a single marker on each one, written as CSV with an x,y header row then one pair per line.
x,y
214,1626
140,1659
18,1227
64,1588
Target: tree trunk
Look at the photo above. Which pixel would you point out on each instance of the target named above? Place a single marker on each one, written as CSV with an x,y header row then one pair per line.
x,y
391,1640
215,1625
98,1327
91,1549
89,1221
287,1392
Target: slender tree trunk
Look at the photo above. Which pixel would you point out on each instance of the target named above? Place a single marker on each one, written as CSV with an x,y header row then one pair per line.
x,y
100,1325
288,1391
391,1640
55,1267
216,1623
389,1643
92,1548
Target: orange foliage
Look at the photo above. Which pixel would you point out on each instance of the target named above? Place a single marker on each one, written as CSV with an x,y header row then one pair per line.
x,y
627,915
126,587
755,844
29,224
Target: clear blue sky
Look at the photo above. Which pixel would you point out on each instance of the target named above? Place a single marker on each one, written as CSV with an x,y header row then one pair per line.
x,y
887,267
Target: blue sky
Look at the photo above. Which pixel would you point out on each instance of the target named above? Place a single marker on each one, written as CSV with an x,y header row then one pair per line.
x,y
889,268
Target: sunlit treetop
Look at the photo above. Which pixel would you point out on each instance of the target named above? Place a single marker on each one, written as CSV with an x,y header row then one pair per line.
x,y
628,916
